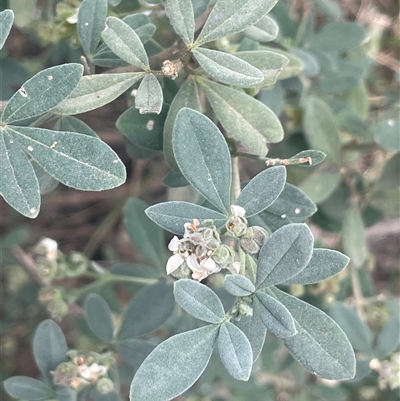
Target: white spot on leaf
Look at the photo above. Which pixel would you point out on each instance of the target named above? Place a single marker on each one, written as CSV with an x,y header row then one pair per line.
x,y
150,125
53,145
33,210
391,122
297,210
115,161
86,23
283,216
30,148
50,77
23,92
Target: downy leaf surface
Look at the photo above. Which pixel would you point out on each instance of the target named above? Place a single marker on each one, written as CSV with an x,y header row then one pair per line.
x,y
247,120
23,387
18,183
98,316
235,351
94,91
91,20
232,16
203,157
125,43
324,263
238,285
276,318
77,160
42,92
176,363
49,347
149,96
199,301
147,311
265,30
228,68
181,17
262,191
320,344
284,254
6,21
173,215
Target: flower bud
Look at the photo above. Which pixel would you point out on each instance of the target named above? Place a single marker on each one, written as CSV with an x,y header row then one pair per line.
x,y
224,255
249,245
47,247
104,385
47,294
259,234
57,309
236,226
212,244
78,264
47,269
64,373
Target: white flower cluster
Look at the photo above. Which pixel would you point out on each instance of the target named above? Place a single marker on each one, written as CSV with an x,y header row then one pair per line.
x,y
201,251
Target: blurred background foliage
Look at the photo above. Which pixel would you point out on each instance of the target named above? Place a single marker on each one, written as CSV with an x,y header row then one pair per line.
x,y
339,94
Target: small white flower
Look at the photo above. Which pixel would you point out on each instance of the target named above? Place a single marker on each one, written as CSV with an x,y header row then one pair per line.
x,y
238,211
92,373
203,269
174,244
73,19
174,262
190,228
234,268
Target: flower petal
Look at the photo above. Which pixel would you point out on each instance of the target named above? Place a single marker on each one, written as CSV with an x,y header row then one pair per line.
x,y
234,268
238,211
174,262
192,263
174,244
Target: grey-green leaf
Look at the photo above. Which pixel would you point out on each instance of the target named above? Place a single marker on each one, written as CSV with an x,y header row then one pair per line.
x,y
176,363
91,20
94,91
262,191
135,351
147,311
247,120
270,63
6,21
77,160
147,237
315,157
203,157
181,17
199,301
235,351
199,6
173,215
125,43
320,128
293,203
142,130
42,92
353,236
187,96
324,264
356,330
73,124
254,329
18,183
149,96
387,134
276,318
284,254
228,68
49,347
320,184
98,316
265,30
232,16
26,388
46,182
238,285
339,36
320,344
388,339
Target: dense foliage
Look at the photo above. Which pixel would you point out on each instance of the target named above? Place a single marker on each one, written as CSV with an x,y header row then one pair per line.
x,y
262,110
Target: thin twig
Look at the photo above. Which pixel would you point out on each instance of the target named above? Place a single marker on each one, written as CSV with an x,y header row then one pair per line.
x,y
235,178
